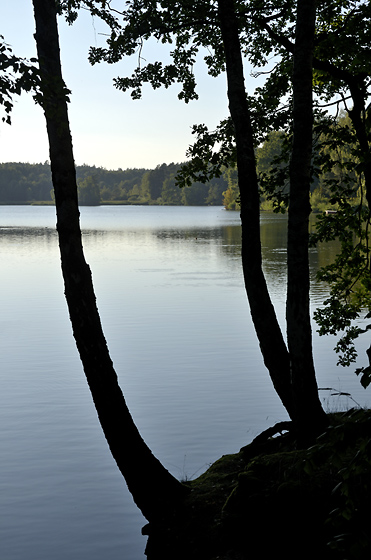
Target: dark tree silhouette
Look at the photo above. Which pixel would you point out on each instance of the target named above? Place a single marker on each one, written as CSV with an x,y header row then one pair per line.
x,y
155,491
291,368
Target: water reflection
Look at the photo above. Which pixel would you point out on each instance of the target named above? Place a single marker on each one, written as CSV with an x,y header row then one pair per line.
x,y
27,236
116,237
173,306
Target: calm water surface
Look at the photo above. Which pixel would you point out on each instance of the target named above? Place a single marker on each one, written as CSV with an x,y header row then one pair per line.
x,y
171,298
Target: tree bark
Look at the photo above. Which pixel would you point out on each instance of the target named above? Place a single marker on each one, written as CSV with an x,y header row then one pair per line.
x,y
273,347
154,490
299,333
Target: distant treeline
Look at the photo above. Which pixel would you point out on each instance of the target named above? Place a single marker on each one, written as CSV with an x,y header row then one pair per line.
x,y
26,183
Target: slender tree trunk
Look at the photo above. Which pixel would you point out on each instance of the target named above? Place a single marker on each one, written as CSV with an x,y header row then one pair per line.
x,y
299,334
273,347
154,490
358,117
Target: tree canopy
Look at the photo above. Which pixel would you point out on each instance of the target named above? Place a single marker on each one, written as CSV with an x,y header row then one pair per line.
x,y
16,75
267,39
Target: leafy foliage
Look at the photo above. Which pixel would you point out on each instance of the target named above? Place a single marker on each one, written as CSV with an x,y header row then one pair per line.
x,y
205,162
274,177
16,75
341,167
349,274
88,192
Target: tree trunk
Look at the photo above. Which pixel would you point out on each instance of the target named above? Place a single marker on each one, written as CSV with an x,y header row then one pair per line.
x,y
273,347
154,490
299,333
358,116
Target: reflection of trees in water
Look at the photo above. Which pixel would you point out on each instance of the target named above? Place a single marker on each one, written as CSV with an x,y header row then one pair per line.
x,y
227,239
324,253
193,234
273,231
231,241
28,237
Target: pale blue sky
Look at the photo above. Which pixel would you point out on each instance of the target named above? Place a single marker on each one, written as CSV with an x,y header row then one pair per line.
x,y
109,129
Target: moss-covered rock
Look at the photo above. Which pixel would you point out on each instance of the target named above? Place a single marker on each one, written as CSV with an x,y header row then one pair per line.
x,y
274,498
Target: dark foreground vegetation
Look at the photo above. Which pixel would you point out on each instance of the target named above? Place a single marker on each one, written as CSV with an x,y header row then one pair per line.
x,y
277,498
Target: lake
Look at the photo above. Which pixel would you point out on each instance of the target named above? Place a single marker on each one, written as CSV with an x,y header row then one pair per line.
x,y
170,292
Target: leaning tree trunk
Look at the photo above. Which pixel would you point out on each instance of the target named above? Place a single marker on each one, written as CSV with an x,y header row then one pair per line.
x,y
154,489
308,411
273,347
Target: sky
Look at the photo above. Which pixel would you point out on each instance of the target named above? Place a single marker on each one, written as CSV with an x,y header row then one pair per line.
x,y
108,128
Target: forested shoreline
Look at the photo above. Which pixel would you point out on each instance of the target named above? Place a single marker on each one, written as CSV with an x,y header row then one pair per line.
x,y
27,183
